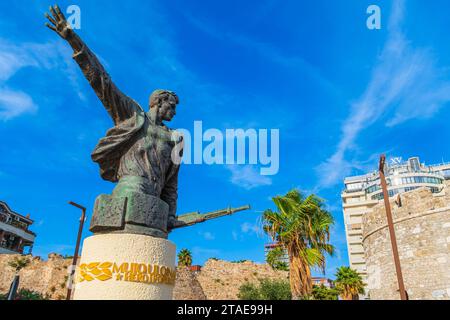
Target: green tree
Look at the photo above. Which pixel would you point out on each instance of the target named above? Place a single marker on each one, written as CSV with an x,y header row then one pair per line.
x,y
241,261
274,259
323,293
25,294
302,226
184,258
18,263
349,283
266,290
249,291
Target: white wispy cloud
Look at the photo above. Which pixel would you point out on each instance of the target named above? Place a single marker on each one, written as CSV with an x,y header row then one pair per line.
x,y
38,223
204,252
405,84
250,228
14,103
16,56
207,235
248,176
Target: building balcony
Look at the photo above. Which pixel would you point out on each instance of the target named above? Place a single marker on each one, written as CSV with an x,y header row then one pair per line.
x,y
367,202
11,228
356,250
17,224
9,248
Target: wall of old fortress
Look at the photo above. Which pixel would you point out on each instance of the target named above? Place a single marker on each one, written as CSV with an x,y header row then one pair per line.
x,y
46,277
422,226
217,279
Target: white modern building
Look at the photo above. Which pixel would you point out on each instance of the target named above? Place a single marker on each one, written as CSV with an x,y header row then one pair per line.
x,y
361,193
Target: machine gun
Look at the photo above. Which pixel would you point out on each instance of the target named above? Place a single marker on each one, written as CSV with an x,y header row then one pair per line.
x,y
191,218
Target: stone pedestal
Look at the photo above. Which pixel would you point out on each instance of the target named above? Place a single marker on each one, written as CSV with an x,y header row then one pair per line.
x,y
121,266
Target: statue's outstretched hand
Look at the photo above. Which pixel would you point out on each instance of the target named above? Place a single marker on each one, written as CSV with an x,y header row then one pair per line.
x,y
58,22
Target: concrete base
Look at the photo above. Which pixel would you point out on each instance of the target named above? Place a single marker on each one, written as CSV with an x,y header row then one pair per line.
x,y
125,267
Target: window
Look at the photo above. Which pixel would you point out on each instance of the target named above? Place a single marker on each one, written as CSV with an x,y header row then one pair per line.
x,y
435,190
373,188
414,164
354,186
446,173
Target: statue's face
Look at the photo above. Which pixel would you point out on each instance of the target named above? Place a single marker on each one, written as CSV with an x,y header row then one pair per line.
x,y
167,108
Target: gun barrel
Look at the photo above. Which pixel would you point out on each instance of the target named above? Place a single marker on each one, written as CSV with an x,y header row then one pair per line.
x,y
196,217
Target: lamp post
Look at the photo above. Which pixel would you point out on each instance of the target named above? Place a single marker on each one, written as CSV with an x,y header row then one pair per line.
x,y
390,223
77,247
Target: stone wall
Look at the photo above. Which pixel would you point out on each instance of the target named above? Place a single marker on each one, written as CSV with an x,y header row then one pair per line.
x,y
187,286
221,280
422,227
218,279
46,277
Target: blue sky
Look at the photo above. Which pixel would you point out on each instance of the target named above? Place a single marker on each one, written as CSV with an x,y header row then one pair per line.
x,y
340,95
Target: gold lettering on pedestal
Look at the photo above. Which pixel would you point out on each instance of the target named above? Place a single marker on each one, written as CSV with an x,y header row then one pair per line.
x,y
130,272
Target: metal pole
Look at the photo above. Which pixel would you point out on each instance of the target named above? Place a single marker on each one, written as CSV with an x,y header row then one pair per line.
x,y
390,223
13,289
77,247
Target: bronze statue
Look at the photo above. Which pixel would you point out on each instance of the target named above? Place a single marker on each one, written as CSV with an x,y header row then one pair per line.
x,y
136,152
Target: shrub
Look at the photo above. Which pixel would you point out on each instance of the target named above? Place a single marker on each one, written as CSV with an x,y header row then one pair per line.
x,y
249,291
25,294
324,293
266,290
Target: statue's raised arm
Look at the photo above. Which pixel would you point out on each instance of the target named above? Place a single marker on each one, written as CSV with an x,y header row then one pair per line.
x,y
119,106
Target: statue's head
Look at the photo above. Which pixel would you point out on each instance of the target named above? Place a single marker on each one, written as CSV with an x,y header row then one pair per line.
x,y
164,103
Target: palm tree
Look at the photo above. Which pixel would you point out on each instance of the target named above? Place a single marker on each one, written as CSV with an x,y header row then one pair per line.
x,y
19,263
184,258
302,226
349,283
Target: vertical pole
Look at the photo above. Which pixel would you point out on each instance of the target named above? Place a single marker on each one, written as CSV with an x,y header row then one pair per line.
x,y
18,245
13,289
77,247
390,222
2,233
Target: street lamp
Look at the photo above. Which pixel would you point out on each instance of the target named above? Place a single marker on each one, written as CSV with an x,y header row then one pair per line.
x,y
390,223
75,256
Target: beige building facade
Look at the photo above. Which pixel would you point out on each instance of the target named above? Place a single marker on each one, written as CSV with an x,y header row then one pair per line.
x,y
363,193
